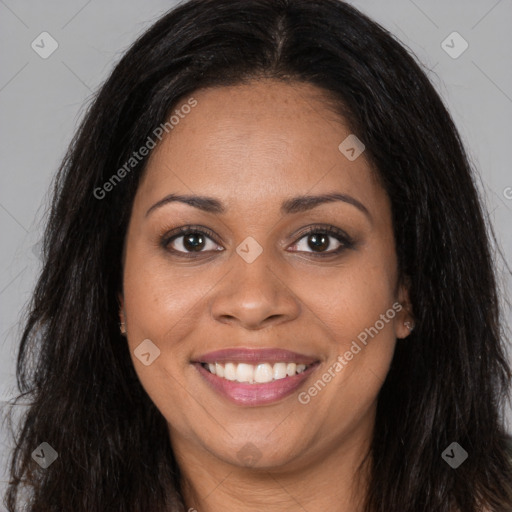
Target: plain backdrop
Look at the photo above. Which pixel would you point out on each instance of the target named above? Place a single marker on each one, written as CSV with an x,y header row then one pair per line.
x,y
43,99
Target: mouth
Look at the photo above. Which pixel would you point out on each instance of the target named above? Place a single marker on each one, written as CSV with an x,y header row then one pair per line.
x,y
255,377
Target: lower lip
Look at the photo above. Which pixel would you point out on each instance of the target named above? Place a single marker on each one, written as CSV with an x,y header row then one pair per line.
x,y
242,393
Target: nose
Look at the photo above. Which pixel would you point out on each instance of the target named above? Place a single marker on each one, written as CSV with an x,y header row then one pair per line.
x,y
254,295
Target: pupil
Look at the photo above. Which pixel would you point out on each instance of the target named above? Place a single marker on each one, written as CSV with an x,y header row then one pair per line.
x,y
318,242
193,242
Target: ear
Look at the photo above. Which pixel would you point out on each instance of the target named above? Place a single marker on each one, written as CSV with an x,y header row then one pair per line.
x,y
404,320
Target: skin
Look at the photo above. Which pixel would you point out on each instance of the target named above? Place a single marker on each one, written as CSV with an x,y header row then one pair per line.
x,y
251,147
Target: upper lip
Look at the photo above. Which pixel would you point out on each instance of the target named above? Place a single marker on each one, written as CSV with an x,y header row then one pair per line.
x,y
255,356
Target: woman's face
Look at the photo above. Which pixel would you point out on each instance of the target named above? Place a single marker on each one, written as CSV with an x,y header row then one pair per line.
x,y
249,282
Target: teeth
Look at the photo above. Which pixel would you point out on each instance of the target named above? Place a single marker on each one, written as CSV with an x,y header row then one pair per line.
x,y
244,372
261,373
279,371
290,369
230,371
219,370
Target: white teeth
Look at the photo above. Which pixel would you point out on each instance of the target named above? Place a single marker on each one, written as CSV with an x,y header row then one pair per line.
x,y
279,371
290,369
230,371
245,372
261,373
219,370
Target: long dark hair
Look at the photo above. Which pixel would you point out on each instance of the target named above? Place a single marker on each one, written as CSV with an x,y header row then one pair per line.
x,y
448,381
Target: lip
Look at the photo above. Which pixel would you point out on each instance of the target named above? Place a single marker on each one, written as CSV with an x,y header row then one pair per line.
x,y
255,356
242,393
252,395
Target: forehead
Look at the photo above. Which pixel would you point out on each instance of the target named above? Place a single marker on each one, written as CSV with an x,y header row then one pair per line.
x,y
254,142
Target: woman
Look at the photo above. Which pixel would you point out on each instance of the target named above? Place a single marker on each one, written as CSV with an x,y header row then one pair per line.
x,y
267,283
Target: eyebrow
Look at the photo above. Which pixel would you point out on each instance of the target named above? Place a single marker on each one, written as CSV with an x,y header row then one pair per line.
x,y
289,206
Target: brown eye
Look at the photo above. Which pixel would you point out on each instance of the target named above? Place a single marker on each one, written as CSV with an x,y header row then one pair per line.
x,y
318,242
190,241
323,240
194,242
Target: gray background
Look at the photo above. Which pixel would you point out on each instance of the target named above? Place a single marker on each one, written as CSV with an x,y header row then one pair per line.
x,y
42,100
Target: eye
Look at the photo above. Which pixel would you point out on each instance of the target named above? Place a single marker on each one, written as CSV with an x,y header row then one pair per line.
x,y
190,240
323,240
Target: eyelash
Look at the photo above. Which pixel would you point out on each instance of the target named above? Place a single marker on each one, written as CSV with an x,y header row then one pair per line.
x,y
345,240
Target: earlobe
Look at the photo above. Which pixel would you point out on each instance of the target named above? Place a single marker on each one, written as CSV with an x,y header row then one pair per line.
x,y
405,324
409,325
122,315
405,319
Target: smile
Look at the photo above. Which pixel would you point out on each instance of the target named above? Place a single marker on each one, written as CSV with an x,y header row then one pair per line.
x,y
254,377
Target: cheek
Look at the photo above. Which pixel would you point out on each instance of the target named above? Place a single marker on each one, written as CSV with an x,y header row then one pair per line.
x,y
160,299
357,318
351,297
161,305
353,307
